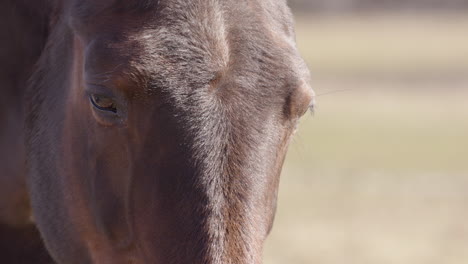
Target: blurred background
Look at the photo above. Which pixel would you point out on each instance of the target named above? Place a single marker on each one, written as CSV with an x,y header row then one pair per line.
x,y
380,174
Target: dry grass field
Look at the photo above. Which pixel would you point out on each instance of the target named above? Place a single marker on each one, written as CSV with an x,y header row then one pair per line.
x,y
385,43
380,173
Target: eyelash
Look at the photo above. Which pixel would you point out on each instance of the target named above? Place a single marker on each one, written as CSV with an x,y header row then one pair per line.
x,y
94,99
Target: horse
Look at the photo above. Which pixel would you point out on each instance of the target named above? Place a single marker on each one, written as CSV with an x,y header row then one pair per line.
x,y
154,130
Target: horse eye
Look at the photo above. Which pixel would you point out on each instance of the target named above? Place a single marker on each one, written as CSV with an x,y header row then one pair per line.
x,y
103,103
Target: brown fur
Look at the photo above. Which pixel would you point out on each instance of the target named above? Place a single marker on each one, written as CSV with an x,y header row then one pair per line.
x,y
208,94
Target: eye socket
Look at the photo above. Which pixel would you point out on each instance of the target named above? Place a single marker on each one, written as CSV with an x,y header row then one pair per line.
x,y
103,103
107,107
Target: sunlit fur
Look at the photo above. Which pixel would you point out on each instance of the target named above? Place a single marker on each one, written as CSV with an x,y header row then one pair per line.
x,y
210,93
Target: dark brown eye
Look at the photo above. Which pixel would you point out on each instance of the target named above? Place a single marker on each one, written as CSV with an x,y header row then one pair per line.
x,y
103,103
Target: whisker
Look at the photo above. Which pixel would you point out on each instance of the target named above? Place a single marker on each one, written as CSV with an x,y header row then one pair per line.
x,y
336,91
313,106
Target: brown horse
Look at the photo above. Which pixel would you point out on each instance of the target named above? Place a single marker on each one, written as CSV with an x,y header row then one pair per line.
x,y
155,130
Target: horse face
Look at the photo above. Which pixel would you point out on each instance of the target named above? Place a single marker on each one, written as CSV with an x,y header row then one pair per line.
x,y
166,140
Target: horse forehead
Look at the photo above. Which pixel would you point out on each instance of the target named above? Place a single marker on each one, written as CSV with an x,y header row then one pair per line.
x,y
209,17
216,35
199,42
